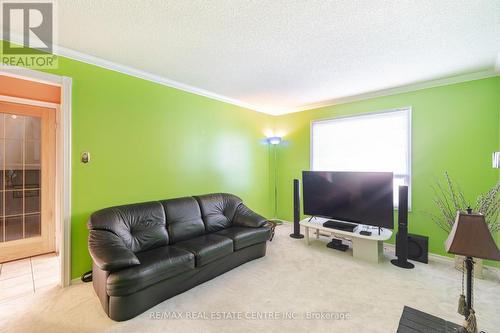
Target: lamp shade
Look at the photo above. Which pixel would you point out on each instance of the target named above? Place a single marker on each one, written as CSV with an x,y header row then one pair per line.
x,y
471,237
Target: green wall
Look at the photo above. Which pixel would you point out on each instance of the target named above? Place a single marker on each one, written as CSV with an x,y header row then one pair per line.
x,y
455,128
148,142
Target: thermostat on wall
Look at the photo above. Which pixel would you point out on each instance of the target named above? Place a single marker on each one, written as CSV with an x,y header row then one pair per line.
x,y
85,157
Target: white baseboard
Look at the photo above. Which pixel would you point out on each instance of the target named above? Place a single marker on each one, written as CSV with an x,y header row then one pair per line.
x,y
432,256
445,259
76,281
279,220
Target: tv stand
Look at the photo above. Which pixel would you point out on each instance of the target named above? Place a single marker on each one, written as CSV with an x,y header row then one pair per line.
x,y
368,248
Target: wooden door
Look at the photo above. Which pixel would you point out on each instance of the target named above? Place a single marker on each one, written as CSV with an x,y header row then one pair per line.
x,y
27,181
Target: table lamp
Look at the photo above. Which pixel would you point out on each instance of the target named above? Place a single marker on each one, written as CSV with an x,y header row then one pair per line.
x,y
470,237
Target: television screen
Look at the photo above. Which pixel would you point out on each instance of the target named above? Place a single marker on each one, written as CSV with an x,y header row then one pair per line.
x,y
357,197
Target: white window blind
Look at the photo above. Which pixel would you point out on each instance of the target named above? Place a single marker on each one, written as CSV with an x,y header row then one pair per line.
x,y
373,142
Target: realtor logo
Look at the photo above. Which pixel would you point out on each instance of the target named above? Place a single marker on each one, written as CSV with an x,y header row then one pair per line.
x,y
28,34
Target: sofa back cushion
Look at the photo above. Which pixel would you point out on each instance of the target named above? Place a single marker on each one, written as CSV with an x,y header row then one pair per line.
x,y
218,210
141,226
183,219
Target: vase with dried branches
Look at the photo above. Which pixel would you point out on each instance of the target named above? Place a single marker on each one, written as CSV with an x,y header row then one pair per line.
x,y
449,198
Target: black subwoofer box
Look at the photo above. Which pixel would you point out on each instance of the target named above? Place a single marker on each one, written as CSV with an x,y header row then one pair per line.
x,y
418,248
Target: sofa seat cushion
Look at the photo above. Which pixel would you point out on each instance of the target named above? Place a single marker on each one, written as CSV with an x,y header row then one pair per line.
x,y
207,248
155,265
243,237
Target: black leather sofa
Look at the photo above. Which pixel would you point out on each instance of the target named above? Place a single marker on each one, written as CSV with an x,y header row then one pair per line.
x,y
148,252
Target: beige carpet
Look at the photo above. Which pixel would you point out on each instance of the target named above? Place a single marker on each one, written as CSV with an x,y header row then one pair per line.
x,y
292,281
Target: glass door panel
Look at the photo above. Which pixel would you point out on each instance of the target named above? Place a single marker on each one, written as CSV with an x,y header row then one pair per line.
x,y
20,164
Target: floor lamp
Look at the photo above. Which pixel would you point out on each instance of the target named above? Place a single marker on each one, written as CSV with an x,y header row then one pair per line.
x,y
274,141
470,237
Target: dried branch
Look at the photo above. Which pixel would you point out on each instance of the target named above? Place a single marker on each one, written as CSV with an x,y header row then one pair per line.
x,y
488,204
450,198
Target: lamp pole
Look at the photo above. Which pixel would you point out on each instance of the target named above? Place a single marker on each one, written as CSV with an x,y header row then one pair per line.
x,y
469,266
275,183
275,141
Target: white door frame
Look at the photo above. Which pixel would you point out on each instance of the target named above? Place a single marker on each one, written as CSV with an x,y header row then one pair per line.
x,y
63,152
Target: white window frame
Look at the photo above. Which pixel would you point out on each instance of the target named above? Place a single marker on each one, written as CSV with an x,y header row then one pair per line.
x,y
409,156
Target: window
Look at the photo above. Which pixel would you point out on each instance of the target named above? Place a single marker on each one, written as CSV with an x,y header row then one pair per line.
x,y
373,142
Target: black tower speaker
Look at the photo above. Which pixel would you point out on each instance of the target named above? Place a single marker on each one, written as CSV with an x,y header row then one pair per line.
x,y
402,236
296,210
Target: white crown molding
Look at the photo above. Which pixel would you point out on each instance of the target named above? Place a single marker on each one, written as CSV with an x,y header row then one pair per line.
x,y
404,89
89,59
96,61
103,63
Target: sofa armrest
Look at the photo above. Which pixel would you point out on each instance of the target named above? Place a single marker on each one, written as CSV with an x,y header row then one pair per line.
x,y
109,252
245,217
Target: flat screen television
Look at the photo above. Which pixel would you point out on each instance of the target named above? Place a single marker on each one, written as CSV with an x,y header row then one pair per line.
x,y
357,197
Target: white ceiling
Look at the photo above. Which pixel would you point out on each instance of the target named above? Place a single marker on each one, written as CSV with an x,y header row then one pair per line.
x,y
279,56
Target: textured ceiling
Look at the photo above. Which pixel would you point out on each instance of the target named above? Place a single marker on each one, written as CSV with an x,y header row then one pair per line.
x,y
282,55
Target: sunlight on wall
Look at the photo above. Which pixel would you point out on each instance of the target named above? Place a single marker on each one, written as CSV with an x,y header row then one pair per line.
x,y
233,156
